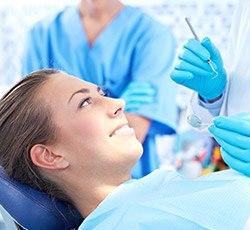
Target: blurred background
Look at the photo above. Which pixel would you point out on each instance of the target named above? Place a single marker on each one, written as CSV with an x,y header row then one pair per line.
x,y
210,18
188,151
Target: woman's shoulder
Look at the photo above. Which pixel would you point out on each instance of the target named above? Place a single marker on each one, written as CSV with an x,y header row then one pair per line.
x,y
58,19
136,13
143,23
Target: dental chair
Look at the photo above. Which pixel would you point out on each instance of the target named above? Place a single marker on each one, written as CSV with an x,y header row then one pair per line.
x,y
34,210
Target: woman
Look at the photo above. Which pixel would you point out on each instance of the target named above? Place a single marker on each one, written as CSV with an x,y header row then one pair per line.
x,y
64,137
121,49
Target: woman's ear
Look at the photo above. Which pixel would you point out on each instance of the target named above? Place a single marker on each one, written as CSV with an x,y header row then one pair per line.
x,y
44,157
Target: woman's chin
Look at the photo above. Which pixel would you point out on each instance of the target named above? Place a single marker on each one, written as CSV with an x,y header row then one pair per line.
x,y
137,149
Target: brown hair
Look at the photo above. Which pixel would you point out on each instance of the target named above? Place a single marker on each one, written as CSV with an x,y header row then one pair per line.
x,y
25,121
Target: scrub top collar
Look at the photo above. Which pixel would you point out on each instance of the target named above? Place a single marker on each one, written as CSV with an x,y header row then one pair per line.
x,y
71,19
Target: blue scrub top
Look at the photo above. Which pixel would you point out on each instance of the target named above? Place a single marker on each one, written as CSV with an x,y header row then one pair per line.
x,y
165,200
133,47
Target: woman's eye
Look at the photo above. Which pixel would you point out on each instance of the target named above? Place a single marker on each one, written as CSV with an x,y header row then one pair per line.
x,y
85,102
105,93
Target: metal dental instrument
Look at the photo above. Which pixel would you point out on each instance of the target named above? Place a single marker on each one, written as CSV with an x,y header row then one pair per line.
x,y
197,38
193,119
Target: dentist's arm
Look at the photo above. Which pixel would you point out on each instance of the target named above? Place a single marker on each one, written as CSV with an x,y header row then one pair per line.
x,y
137,94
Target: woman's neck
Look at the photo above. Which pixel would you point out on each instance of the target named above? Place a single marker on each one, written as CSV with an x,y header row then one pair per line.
x,y
87,203
96,15
99,9
87,193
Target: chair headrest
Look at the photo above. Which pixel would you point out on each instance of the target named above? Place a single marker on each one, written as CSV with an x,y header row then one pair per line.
x,y
33,209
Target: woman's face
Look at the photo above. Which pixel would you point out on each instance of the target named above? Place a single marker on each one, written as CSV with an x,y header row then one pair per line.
x,y
93,134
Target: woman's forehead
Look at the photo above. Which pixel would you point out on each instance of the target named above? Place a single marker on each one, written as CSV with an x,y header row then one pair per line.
x,y
60,87
68,82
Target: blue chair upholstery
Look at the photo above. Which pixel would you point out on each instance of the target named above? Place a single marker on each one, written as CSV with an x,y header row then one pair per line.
x,y
32,209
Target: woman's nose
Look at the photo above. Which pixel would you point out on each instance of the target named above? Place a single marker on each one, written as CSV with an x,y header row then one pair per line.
x,y
117,107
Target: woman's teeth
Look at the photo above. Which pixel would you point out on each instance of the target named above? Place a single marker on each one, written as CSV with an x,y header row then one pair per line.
x,y
124,130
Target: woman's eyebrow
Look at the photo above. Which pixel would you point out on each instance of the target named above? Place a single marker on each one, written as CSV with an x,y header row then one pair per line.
x,y
83,90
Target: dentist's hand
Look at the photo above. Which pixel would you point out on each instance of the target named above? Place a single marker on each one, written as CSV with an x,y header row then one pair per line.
x,y
193,71
233,134
137,94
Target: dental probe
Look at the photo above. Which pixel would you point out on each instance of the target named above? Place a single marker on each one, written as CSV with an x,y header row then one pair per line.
x,y
197,38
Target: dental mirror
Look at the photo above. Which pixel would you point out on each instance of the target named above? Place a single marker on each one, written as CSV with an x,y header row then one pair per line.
x,y
196,121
